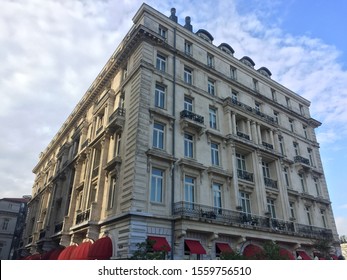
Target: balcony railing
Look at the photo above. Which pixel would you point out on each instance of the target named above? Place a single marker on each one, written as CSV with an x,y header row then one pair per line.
x,y
187,210
301,159
268,146
243,135
82,217
270,183
117,119
185,114
241,174
120,112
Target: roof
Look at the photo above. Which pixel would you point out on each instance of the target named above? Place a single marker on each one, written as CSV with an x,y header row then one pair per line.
x,y
16,200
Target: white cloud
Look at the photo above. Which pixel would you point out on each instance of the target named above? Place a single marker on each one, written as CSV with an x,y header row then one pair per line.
x,y
341,224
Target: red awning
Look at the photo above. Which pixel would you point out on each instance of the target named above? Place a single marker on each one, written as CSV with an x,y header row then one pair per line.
x,y
101,249
66,253
81,252
160,243
253,251
195,247
286,254
52,254
334,257
304,255
224,248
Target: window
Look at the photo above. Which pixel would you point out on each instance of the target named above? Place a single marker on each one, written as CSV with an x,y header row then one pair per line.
x,y
188,104
125,72
291,125
159,96
310,156
210,60
245,202
266,169
302,112
189,189
291,209
316,184
211,87
308,215
304,128
257,106
276,116
112,193
188,145
188,48
324,223
5,224
302,182
255,85
271,207
296,148
161,62
288,102
96,163
215,154
158,135
162,31
233,73
241,162
217,196
118,139
188,76
286,176
273,95
213,118
157,181
234,95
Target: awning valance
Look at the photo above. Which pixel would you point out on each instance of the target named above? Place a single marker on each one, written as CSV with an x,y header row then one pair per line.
x,y
195,247
253,251
286,254
160,243
101,249
224,247
66,253
81,252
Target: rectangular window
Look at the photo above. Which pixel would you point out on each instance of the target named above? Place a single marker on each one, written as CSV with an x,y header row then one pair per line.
x,y
157,181
304,128
288,102
316,184
112,193
189,189
271,207
234,95
188,145
233,73
162,31
158,135
245,202
302,182
217,196
308,215
241,162
291,209
188,76
5,224
159,100
188,48
302,112
257,106
118,138
210,60
213,118
266,169
324,223
286,176
161,62
276,116
188,104
310,156
215,154
255,85
296,148
211,87
273,95
291,125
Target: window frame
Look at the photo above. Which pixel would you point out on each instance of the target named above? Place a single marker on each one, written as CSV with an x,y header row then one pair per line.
x,y
211,87
161,61
157,185
215,157
188,75
158,140
213,118
160,96
188,145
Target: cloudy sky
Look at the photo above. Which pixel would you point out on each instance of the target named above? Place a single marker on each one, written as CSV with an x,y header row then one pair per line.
x,y
51,51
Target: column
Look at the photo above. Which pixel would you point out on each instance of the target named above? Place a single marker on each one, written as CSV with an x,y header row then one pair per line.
x,y
233,119
272,137
228,113
260,141
254,132
249,132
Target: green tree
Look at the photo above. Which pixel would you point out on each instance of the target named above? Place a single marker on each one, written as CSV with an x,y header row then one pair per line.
x,y
323,246
232,256
272,251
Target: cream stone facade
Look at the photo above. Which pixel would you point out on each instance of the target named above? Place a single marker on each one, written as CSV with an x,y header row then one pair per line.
x,y
177,138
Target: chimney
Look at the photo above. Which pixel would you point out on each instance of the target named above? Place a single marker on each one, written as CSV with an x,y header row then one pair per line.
x,y
173,16
188,26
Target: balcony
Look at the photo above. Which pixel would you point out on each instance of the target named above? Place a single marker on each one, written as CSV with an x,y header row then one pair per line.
x,y
82,216
268,146
270,183
234,103
192,120
300,159
116,120
243,135
204,213
244,175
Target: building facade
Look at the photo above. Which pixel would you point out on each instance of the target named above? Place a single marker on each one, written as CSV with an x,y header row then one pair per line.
x,y
180,141
12,221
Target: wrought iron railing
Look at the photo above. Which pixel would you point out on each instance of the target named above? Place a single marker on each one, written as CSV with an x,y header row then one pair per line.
x,y
82,217
301,159
185,114
270,183
120,112
243,135
267,145
187,210
242,174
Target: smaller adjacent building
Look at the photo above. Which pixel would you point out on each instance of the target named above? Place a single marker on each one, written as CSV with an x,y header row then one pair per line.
x,y
12,221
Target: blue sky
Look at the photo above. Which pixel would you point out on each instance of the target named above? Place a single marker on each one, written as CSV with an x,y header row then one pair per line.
x,y
51,51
